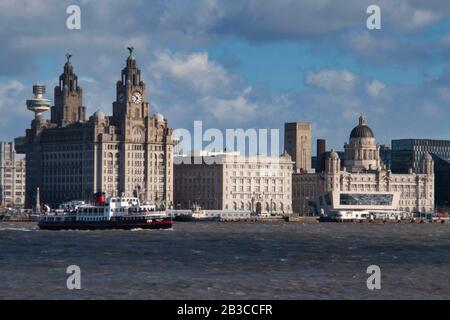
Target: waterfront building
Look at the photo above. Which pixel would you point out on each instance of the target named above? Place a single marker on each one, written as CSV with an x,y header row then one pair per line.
x,y
305,188
442,183
385,155
12,176
229,181
361,181
320,155
406,154
297,143
127,153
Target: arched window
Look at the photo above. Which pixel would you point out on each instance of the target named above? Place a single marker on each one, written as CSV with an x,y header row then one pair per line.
x,y
138,134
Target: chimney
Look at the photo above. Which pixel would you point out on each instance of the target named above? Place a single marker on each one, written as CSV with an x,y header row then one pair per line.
x,y
321,148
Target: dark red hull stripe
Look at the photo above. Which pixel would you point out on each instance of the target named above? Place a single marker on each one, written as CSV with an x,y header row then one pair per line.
x,y
93,225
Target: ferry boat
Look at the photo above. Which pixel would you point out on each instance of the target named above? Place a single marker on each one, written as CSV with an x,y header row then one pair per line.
x,y
113,213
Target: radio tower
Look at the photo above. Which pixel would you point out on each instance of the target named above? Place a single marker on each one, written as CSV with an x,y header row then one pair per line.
x,y
39,104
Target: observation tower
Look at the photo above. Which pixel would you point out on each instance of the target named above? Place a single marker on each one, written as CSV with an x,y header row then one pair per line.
x,y
38,104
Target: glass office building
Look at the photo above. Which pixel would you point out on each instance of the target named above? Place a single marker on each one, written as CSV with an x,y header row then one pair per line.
x,y
442,183
407,153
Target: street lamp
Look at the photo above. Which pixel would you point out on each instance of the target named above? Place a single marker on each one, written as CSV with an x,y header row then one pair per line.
x,y
253,202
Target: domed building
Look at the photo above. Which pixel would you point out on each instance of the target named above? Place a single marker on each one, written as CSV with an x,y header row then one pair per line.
x,y
362,152
362,183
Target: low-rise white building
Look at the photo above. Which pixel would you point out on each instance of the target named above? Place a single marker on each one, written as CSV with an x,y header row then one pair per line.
x,y
229,181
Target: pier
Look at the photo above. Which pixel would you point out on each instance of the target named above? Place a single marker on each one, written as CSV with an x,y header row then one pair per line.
x,y
252,219
391,221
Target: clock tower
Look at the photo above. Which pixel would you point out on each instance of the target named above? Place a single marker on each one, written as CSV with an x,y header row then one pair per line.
x,y
130,108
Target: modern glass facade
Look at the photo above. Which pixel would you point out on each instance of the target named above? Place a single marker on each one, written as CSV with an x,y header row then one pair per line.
x,y
442,180
407,153
356,199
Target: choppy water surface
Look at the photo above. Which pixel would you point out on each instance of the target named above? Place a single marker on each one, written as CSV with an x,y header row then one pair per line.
x,y
228,261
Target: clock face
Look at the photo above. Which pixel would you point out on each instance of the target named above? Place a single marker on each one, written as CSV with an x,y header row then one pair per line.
x,y
136,97
121,98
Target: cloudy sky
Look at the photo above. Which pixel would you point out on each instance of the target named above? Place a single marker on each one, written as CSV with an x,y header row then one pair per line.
x,y
241,64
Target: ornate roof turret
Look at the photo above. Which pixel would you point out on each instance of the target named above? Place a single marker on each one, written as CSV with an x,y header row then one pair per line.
x,y
333,155
362,130
68,106
131,74
427,157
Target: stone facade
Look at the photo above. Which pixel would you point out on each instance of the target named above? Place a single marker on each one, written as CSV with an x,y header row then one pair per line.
x,y
297,143
305,187
12,176
363,173
228,181
129,153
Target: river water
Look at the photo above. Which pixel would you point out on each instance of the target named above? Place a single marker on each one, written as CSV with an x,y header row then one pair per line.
x,y
228,261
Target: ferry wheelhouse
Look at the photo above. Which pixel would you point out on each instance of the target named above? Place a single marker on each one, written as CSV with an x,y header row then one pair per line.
x,y
114,213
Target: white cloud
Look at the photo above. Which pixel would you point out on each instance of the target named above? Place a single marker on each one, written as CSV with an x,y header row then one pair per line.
x,y
192,86
9,93
367,44
409,16
13,108
374,88
444,93
195,70
431,109
88,79
238,110
10,87
423,18
184,86
445,40
336,81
